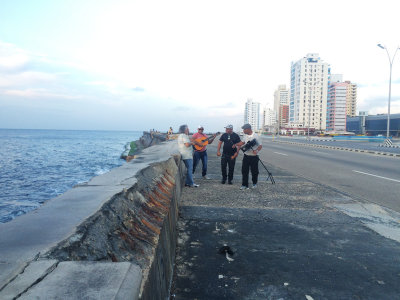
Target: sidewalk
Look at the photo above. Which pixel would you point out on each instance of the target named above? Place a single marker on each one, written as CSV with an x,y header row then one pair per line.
x,y
290,240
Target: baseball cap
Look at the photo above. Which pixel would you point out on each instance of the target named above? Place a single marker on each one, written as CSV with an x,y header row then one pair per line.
x,y
246,126
198,127
229,126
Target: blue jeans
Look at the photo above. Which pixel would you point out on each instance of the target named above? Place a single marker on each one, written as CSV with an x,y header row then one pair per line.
x,y
189,174
196,158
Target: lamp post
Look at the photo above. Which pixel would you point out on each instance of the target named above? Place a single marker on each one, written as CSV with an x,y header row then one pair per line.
x,y
390,86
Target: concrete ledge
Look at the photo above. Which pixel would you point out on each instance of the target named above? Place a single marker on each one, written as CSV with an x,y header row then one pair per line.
x,y
120,221
88,280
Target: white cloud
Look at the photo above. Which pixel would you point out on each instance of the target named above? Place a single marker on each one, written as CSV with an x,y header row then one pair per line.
x,y
12,58
38,93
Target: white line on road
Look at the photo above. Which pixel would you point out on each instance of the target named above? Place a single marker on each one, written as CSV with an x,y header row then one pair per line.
x,y
281,153
376,176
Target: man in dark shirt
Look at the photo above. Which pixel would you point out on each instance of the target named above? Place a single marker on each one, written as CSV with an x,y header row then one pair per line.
x,y
229,152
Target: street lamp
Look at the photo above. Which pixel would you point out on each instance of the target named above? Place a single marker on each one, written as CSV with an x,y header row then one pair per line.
x,y
390,87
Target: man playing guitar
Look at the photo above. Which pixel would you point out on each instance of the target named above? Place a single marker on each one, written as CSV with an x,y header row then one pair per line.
x,y
200,153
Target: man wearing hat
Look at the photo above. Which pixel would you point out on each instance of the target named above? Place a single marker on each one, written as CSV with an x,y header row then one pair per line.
x,y
250,157
201,154
229,152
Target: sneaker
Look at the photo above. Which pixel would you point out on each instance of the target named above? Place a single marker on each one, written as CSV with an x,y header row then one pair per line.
x,y
223,181
229,181
254,186
206,177
194,185
243,187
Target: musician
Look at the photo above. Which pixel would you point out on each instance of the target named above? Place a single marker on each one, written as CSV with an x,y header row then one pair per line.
x,y
229,152
185,149
250,157
201,154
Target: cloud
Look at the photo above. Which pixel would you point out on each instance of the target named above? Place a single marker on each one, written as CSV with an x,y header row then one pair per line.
x,y
12,58
38,93
223,106
138,89
183,108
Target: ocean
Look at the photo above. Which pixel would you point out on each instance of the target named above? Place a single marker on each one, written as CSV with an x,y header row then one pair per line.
x,y
37,165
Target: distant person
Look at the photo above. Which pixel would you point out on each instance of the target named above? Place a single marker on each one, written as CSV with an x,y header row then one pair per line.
x,y
200,152
169,132
252,145
186,151
229,153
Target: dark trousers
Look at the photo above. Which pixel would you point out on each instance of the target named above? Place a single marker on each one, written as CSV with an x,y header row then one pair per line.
x,y
197,156
249,162
226,161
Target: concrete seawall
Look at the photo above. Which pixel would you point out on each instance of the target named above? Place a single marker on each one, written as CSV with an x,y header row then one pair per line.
x,y
112,238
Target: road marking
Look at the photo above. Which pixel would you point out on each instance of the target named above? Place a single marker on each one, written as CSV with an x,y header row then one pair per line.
x,y
320,152
376,176
281,153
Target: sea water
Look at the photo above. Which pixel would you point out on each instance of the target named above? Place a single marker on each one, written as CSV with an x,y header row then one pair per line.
x,y
37,165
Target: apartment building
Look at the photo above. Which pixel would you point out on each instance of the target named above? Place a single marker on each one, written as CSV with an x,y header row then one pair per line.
x,y
252,114
351,100
336,105
309,92
281,98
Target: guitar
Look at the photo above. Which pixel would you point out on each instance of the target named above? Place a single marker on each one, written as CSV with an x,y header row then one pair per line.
x,y
204,141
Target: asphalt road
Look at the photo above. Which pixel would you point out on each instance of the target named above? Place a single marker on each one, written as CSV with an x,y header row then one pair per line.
x,y
365,177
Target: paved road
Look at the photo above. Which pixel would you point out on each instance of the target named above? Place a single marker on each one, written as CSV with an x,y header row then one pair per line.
x,y
292,240
365,177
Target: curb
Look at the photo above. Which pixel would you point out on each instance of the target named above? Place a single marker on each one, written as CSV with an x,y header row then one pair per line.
x,y
343,149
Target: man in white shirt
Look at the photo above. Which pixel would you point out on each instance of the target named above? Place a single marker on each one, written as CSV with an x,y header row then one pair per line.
x,y
186,151
253,145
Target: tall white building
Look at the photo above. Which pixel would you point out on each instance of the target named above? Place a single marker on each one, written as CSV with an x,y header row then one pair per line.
x,y
269,117
281,98
309,92
252,114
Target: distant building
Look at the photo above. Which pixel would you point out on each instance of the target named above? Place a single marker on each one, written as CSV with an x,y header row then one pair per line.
x,y
281,97
252,114
351,99
374,125
269,120
342,103
336,105
309,92
283,115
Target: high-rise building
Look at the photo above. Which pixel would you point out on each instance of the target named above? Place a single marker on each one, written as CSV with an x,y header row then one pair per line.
x,y
281,97
336,106
351,101
342,103
283,115
309,92
269,117
252,114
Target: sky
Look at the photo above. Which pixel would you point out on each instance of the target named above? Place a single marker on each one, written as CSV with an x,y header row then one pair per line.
x,y
139,65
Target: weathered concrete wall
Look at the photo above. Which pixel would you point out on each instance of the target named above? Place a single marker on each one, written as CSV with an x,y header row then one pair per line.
x,y
122,222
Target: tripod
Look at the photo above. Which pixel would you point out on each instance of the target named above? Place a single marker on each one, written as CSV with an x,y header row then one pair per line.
x,y
270,177
269,173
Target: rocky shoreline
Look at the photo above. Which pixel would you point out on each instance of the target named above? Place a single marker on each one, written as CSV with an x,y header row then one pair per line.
x,y
132,149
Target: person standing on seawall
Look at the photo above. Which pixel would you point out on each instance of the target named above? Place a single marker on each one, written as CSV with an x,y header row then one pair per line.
x,y
229,152
201,154
185,149
250,157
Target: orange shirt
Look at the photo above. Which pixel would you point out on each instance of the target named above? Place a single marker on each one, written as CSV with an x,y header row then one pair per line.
x,y
199,136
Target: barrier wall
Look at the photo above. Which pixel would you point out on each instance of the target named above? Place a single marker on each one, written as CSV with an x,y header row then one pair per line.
x,y
113,237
